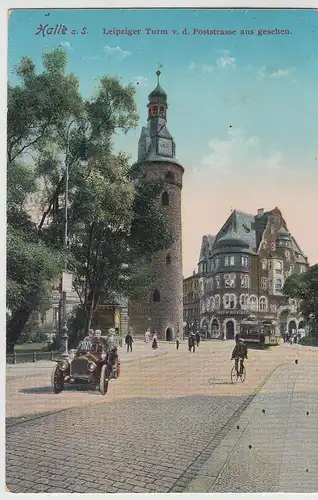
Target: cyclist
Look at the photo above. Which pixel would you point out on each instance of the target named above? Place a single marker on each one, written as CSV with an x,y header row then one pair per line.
x,y
239,353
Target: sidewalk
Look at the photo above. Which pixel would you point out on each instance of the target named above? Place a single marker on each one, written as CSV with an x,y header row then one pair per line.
x,y
140,350
274,445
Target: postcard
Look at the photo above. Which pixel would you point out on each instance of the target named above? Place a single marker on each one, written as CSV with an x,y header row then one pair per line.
x,y
162,276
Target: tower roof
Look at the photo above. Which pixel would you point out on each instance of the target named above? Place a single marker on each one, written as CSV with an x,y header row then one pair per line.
x,y
158,94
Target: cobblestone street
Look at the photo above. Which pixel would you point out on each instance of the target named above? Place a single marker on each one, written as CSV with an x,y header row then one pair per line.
x,y
160,425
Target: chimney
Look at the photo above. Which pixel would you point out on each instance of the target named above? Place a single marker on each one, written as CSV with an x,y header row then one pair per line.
x,y
193,273
260,212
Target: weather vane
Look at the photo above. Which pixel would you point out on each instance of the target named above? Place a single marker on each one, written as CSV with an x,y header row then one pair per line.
x,y
158,72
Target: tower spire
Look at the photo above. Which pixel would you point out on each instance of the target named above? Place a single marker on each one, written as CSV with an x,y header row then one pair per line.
x,y
158,72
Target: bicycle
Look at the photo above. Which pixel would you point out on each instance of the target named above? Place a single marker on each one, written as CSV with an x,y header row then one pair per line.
x,y
236,374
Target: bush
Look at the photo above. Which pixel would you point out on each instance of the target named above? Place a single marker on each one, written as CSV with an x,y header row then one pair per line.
x,y
308,340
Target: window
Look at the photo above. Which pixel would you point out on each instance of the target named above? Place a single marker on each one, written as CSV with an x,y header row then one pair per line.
x,y
269,284
302,269
229,280
244,281
244,261
165,199
168,259
278,266
155,109
287,255
217,302
277,219
253,303
264,264
278,285
162,110
229,301
244,300
217,263
273,246
232,260
156,295
212,303
263,283
217,281
226,260
273,308
263,304
170,175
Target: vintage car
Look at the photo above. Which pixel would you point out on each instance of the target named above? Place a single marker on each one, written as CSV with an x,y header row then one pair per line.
x,y
94,363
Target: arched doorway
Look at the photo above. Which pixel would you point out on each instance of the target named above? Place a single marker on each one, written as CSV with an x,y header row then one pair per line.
x,y
292,327
215,329
204,328
229,329
169,334
283,322
301,324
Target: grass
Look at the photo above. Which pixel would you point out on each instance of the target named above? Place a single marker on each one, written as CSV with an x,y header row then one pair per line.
x,y
36,346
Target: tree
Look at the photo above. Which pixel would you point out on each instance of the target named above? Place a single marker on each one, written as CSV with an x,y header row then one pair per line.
x,y
304,287
37,108
113,219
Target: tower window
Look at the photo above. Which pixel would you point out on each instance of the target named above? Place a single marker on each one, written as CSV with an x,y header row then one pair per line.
x,y
170,175
168,259
165,199
156,295
155,109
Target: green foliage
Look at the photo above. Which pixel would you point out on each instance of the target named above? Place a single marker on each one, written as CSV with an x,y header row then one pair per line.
x,y
304,287
113,217
309,340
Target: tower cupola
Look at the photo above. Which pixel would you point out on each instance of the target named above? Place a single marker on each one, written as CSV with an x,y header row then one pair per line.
x,y
157,106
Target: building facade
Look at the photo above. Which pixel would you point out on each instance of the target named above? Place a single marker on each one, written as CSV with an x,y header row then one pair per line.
x,y
242,271
191,303
160,308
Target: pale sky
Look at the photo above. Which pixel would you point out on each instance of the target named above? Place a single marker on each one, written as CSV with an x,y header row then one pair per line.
x,y
242,109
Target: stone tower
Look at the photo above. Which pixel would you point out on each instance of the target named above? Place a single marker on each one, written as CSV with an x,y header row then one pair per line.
x,y
161,308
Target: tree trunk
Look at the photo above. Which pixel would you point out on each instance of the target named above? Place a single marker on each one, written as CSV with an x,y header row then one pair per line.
x,y
16,325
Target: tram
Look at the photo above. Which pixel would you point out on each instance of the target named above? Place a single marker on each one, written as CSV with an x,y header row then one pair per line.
x,y
260,333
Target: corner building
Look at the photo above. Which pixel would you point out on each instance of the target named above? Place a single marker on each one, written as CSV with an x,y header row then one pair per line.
x,y
161,307
242,271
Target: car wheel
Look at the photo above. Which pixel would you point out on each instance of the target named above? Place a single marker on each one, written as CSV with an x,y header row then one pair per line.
x,y
103,383
57,380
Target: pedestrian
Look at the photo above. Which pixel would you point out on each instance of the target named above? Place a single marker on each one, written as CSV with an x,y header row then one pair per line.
x,y
191,342
177,341
154,340
147,335
129,340
197,338
262,340
236,337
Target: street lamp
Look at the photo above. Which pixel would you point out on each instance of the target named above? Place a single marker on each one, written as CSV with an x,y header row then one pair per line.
x,y
66,281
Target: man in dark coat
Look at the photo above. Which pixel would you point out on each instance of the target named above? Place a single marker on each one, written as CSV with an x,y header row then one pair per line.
x,y
129,341
191,342
197,338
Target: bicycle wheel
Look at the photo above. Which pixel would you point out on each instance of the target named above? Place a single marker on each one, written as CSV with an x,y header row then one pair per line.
x,y
234,375
243,375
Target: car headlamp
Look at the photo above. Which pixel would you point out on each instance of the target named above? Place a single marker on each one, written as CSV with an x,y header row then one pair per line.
x,y
63,365
91,366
